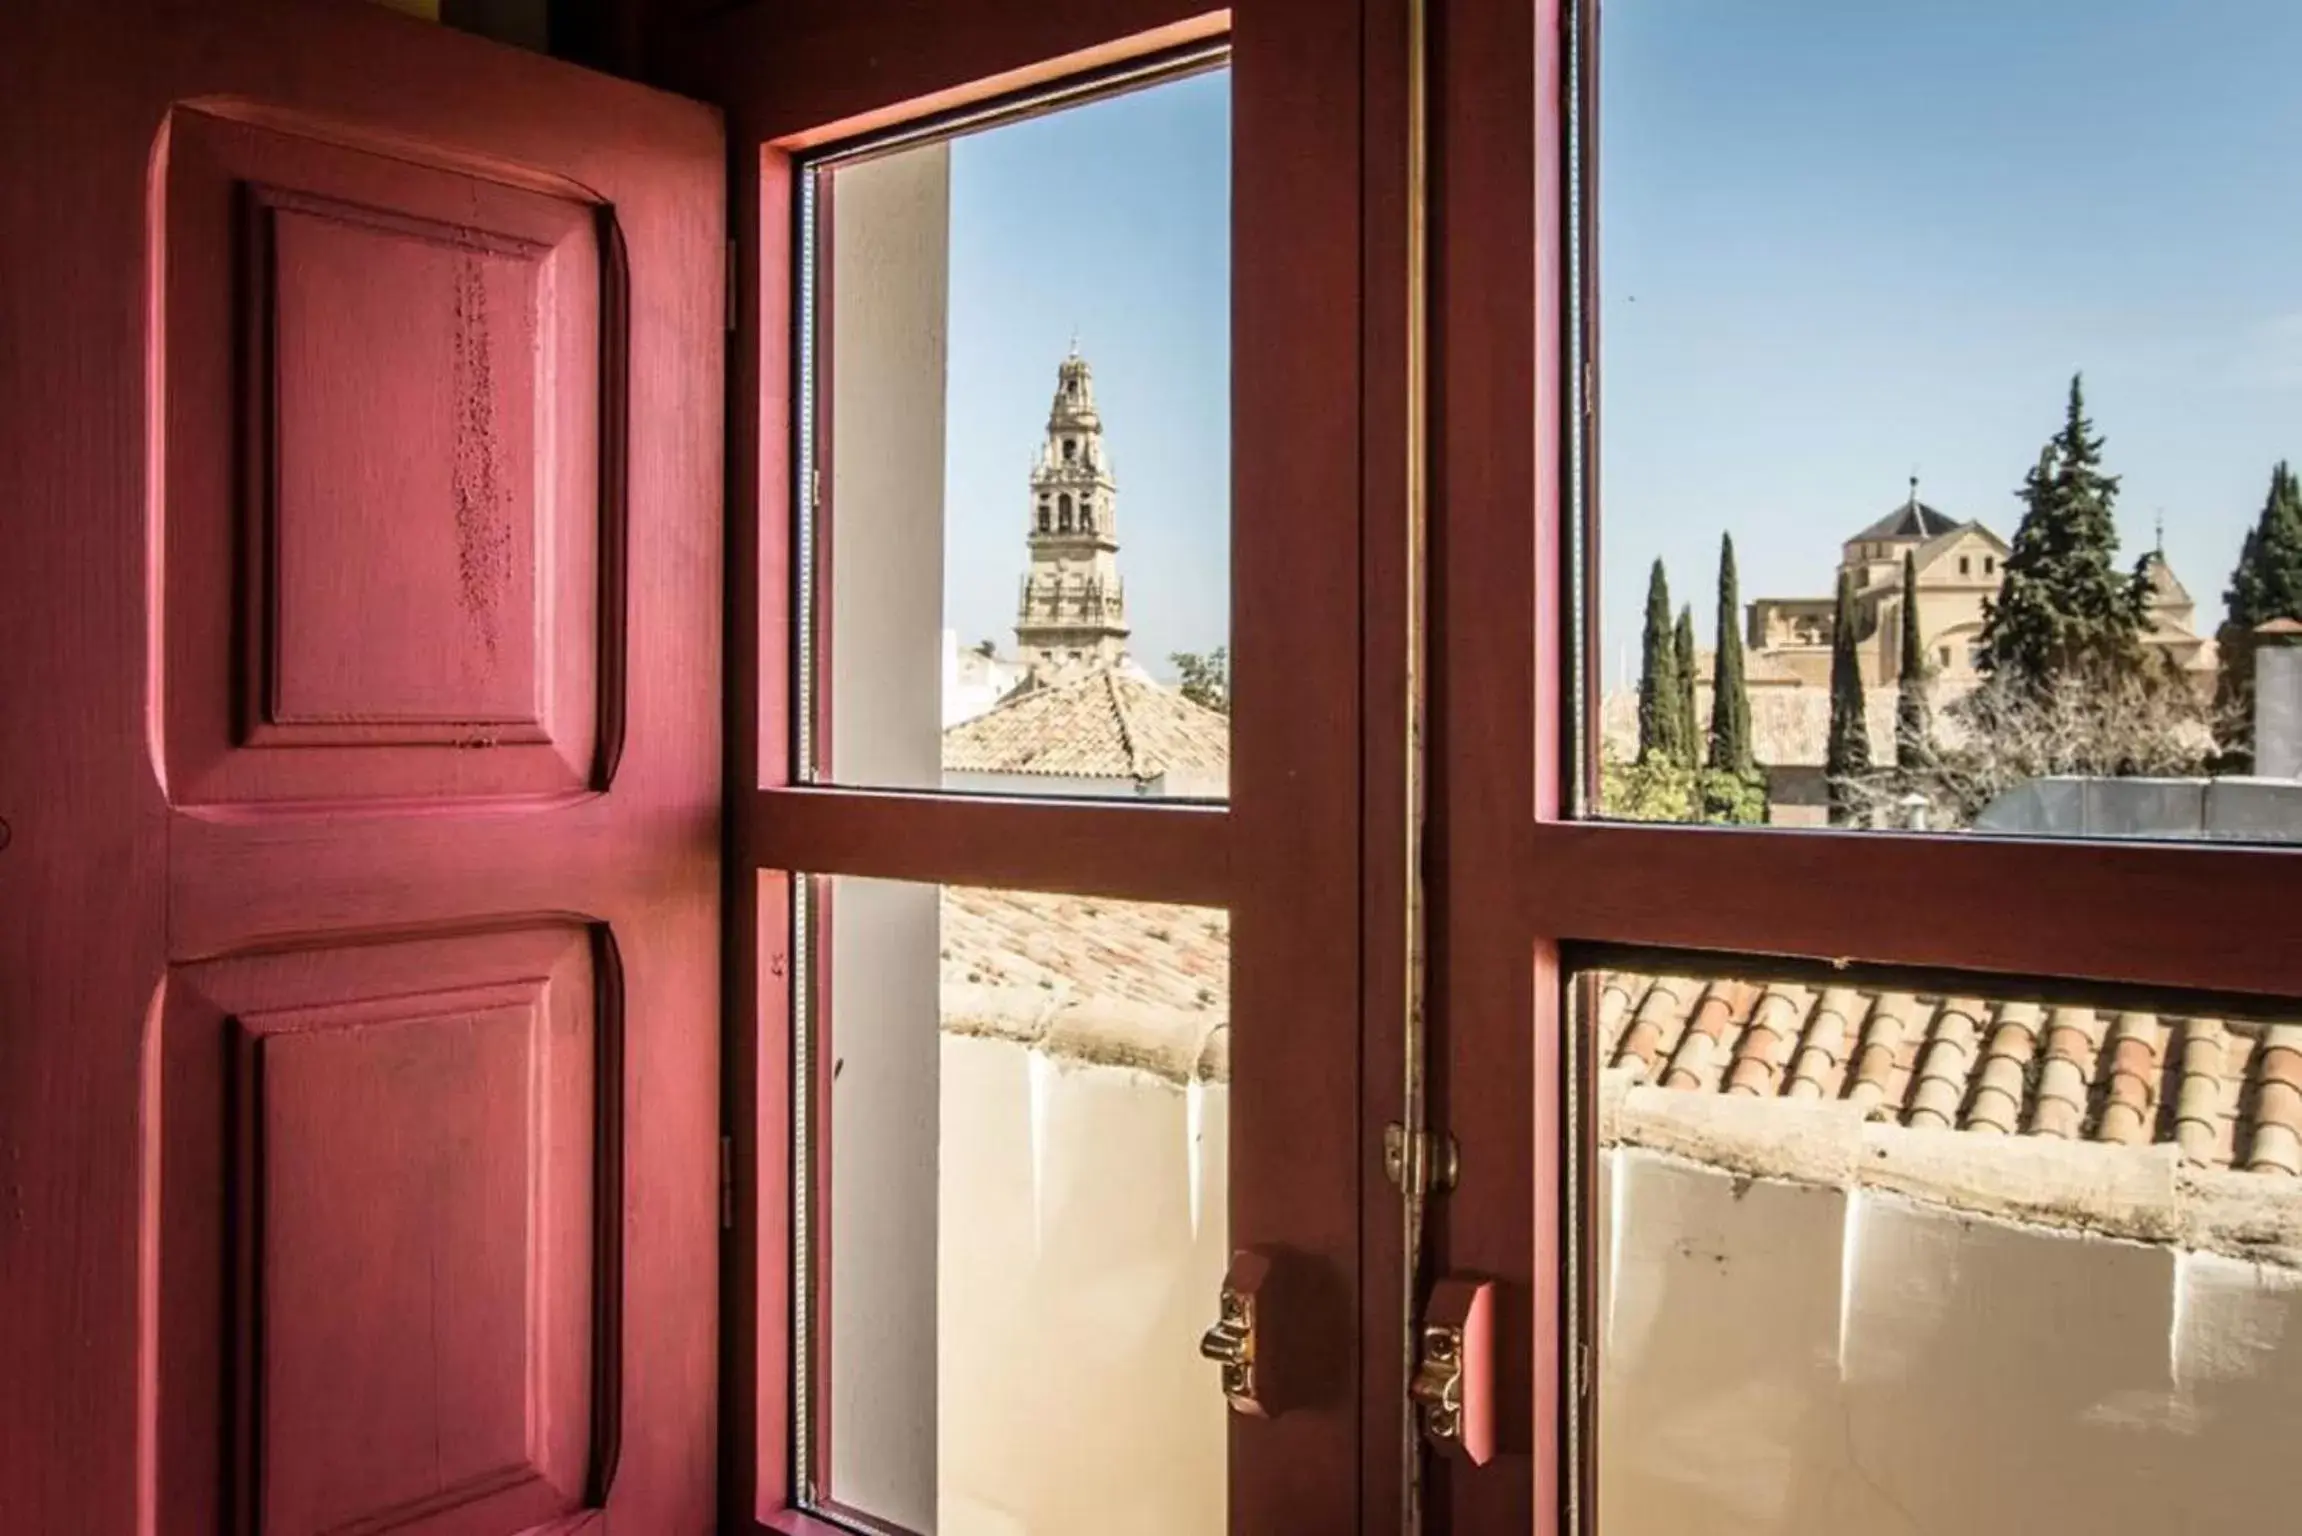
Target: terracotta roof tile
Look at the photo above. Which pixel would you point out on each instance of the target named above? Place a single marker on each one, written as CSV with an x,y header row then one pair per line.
x,y
2200,1102
1662,1011
1766,1046
1616,994
1124,983
1882,1060
1947,1063
1818,1067
2275,1145
2129,1079
2221,1093
1111,722
1996,1103
2060,1108
1699,1059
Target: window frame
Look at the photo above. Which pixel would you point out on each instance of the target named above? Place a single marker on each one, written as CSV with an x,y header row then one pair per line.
x,y
1525,881
1318,223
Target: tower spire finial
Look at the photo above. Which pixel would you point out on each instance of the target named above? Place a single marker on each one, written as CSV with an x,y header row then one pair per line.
x,y
2160,522
1914,487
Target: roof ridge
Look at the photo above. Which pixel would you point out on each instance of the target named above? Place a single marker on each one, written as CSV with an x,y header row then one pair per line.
x,y
1896,524
1136,757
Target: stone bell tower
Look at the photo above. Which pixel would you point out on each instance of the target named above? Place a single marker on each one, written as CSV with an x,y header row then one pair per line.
x,y
1074,610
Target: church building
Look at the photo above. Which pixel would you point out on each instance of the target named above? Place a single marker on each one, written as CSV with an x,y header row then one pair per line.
x,y
1959,567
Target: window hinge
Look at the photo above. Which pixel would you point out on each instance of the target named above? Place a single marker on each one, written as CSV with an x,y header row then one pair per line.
x,y
731,286
727,1183
1426,1163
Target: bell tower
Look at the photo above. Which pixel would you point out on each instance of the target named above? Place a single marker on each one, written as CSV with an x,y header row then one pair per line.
x,y
1074,610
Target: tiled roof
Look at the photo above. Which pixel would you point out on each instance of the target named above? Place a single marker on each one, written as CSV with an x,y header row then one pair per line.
x,y
1112,722
1122,983
2182,1129
2226,1092
1914,519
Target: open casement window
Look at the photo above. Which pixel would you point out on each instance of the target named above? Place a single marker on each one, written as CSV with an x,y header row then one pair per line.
x,y
372,839
1047,1027
1858,1177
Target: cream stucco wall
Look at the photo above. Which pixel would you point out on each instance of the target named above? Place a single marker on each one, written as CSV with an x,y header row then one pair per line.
x,y
1781,1358
1777,1358
885,682
889,286
1082,1244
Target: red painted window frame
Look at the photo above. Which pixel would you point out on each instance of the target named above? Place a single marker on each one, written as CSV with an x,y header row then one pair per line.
x,y
1318,81
1518,881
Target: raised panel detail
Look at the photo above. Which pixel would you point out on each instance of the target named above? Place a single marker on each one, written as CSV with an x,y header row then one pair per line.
x,y
382,1170
395,1196
400,579
388,512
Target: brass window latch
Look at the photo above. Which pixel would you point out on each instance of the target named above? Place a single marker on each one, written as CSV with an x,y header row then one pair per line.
x,y
1423,1163
1231,1342
1454,1382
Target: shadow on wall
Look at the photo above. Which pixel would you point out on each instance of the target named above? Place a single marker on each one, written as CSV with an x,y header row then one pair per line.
x,y
1083,1243
1786,1358
1777,1357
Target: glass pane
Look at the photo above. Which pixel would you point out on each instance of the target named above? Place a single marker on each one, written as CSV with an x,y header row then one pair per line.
x,y
1018,387
1948,376
1876,1254
1020,1218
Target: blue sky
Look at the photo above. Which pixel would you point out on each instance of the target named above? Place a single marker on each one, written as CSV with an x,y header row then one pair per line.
x,y
1840,241
1111,221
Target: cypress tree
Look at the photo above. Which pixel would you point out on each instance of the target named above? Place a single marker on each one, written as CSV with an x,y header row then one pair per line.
x,y
1730,691
2266,585
2065,606
1661,734
1690,723
1913,715
1847,757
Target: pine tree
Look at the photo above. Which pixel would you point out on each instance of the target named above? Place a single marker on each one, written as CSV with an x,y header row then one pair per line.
x,y
1847,756
2065,606
1661,728
1690,722
1730,748
2266,585
1204,678
1913,714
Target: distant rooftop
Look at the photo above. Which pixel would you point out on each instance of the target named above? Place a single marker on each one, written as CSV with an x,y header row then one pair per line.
x,y
1914,519
1110,722
1086,979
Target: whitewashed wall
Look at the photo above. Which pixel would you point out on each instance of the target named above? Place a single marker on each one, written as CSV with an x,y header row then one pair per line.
x,y
1082,1244
889,219
1779,1358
